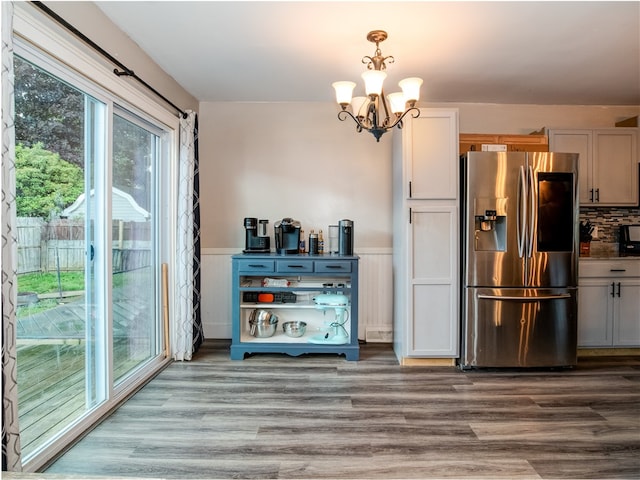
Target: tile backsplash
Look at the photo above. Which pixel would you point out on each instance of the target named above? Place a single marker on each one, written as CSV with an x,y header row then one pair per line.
x,y
608,221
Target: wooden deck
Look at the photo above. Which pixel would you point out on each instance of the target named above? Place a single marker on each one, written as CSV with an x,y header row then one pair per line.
x,y
64,324
51,364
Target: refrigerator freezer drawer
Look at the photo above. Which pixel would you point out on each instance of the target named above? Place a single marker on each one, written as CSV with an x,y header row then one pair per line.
x,y
520,327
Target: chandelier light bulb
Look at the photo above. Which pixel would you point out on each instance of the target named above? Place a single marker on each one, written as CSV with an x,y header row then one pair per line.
x,y
344,91
359,105
373,80
397,102
411,89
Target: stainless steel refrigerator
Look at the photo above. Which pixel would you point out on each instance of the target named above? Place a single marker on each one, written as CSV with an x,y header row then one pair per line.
x,y
520,259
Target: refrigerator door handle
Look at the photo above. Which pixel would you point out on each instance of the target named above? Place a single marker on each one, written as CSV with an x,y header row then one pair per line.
x,y
521,212
532,211
524,299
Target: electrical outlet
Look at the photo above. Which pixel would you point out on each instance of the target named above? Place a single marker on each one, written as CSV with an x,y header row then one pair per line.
x,y
594,234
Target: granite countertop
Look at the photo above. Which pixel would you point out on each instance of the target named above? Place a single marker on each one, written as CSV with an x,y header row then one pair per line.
x,y
606,251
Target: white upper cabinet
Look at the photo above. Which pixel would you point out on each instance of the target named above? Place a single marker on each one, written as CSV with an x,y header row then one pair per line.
x,y
430,155
608,163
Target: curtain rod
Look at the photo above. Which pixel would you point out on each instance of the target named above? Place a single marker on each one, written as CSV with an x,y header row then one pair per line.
x,y
125,71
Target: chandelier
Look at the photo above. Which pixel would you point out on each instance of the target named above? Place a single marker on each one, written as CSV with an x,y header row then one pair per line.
x,y
376,113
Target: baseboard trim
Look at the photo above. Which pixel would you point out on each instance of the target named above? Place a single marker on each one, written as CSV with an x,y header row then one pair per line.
x,y
427,362
607,352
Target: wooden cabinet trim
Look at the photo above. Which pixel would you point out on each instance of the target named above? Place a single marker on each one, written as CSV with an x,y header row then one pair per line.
x,y
505,139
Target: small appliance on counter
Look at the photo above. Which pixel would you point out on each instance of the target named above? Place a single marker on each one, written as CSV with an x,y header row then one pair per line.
x,y
256,238
336,333
629,240
287,233
345,237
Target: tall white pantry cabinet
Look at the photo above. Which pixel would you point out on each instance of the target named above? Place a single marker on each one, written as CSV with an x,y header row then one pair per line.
x,y
426,236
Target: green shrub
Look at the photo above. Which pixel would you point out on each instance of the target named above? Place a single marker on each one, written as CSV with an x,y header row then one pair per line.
x,y
45,183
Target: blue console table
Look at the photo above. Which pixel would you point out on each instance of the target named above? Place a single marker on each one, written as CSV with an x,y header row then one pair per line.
x,y
306,276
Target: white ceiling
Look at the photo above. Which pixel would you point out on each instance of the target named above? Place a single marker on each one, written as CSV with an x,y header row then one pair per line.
x,y
565,53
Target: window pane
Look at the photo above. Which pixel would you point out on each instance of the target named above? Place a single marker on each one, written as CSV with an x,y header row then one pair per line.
x,y
52,175
135,272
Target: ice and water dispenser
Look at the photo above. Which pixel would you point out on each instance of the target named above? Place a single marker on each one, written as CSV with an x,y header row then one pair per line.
x,y
490,224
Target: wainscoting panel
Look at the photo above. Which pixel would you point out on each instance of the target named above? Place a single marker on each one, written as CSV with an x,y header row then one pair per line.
x,y
216,292
376,294
376,297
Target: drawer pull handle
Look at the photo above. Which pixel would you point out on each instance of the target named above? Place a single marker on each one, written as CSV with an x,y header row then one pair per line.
x,y
618,270
257,266
337,267
295,266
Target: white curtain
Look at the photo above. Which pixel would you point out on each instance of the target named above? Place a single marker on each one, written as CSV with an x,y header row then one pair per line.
x,y
186,332
11,460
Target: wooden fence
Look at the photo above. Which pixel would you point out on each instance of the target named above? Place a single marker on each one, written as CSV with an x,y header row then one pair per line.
x,y
60,244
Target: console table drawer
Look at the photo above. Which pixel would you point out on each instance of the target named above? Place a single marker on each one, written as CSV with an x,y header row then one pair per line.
x,y
256,266
332,266
294,266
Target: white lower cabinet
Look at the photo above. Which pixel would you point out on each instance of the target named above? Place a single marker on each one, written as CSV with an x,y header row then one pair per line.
x,y
433,293
609,303
426,290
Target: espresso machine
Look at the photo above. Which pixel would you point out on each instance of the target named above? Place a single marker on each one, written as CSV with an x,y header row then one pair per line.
x,y
287,233
256,238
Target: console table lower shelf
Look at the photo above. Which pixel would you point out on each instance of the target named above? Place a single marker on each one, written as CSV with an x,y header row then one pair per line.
x,y
238,350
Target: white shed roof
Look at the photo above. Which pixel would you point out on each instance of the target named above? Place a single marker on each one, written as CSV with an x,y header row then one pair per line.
x,y
124,207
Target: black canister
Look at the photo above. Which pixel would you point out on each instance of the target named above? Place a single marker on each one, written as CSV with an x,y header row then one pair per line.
x,y
313,243
345,237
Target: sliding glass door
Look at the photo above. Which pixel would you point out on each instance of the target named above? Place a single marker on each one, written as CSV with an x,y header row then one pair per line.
x,y
89,255
60,369
136,147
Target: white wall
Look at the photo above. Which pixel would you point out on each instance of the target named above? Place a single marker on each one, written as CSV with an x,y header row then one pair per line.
x,y
524,119
290,160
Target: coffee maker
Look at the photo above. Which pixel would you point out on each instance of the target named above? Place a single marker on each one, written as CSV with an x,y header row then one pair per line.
x,y
629,240
287,233
256,239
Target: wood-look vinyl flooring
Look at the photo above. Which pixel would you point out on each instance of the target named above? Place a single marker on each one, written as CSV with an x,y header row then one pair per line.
x,y
272,416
